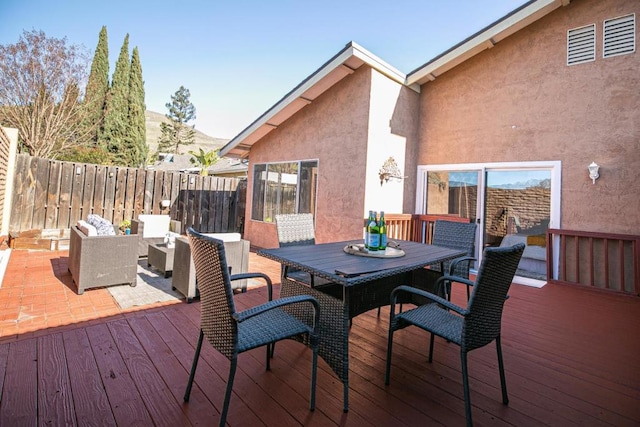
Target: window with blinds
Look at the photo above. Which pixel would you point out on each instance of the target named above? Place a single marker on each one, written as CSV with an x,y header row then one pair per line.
x,y
619,36
581,45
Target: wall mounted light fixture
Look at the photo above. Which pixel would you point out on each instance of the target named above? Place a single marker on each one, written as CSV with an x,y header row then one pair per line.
x,y
165,203
389,170
593,171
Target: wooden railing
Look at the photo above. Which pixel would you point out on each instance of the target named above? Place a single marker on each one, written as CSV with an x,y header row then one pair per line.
x,y
597,260
417,228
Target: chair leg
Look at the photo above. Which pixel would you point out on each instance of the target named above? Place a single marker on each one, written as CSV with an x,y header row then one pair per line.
x,y
194,365
314,371
503,381
387,374
431,348
465,384
269,353
227,395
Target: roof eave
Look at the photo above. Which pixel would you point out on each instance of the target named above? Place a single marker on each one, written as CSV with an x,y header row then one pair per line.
x,y
484,39
344,63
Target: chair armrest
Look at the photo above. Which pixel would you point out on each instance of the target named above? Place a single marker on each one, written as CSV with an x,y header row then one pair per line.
x,y
429,295
457,261
457,279
281,302
267,279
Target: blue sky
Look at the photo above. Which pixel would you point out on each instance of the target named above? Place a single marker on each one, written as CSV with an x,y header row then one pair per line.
x,y
238,58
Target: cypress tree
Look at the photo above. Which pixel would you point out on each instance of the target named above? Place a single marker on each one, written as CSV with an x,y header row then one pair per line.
x,y
117,107
136,145
97,88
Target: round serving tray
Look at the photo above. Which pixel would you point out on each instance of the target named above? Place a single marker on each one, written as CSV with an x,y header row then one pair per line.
x,y
359,250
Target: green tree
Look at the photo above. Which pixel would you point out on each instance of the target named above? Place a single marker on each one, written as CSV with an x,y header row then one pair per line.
x,y
40,79
204,160
136,149
117,107
177,132
97,87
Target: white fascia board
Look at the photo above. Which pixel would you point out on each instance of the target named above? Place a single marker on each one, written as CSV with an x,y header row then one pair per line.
x,y
314,78
484,40
343,58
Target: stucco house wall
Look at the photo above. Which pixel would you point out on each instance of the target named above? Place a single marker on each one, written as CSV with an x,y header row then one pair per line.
x,y
390,135
519,101
332,129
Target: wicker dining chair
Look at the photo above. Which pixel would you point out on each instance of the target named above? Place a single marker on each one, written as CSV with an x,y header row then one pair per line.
x,y
472,327
454,235
231,332
297,230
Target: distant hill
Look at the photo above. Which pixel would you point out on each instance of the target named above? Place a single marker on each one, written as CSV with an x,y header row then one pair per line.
x,y
203,141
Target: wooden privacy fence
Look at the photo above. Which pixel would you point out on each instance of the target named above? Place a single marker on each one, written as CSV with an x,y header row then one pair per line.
x,y
50,194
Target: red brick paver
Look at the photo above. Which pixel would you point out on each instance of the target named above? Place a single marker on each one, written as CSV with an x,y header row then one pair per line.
x,y
38,293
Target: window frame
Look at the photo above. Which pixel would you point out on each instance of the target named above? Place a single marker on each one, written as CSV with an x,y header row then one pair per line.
x,y
260,184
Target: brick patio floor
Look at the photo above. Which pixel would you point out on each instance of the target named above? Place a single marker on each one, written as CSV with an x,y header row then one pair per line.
x,y
38,293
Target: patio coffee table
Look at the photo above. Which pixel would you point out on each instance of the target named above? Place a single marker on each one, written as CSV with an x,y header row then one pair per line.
x,y
358,284
161,257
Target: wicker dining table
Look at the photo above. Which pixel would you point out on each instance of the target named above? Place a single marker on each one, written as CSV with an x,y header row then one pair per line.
x,y
347,285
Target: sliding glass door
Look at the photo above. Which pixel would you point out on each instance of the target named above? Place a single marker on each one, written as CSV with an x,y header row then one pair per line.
x,y
510,202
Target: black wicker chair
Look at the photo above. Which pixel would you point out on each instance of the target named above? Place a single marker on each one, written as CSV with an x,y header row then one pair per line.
x,y
454,235
232,332
474,327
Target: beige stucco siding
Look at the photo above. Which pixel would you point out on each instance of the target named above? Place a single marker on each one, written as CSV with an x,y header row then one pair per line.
x,y
519,101
332,129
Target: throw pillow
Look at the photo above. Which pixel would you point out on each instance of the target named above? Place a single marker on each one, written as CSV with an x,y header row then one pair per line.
x,y
104,227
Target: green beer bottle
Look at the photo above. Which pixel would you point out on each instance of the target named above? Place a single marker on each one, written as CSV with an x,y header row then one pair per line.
x,y
382,229
366,230
374,233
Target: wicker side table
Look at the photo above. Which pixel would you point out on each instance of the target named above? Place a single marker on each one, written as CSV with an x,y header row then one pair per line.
x,y
161,258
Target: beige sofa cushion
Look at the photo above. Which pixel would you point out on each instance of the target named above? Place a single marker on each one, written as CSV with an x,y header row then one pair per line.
x,y
86,228
154,225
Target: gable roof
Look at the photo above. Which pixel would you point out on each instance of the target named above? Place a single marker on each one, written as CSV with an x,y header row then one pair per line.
x,y
484,39
344,63
353,56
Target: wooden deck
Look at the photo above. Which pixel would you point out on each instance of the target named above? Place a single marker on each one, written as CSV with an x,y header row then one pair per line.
x,y
571,358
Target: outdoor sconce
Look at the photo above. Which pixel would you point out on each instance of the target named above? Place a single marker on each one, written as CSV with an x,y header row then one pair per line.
x,y
593,171
165,203
389,170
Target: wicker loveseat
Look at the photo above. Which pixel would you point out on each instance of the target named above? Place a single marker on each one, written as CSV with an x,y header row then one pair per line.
x,y
97,261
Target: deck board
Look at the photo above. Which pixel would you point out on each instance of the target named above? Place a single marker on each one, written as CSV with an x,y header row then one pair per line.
x,y
90,400
571,358
125,400
19,392
55,402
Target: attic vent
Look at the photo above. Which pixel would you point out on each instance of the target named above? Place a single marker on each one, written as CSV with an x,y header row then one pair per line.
x,y
581,45
619,36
